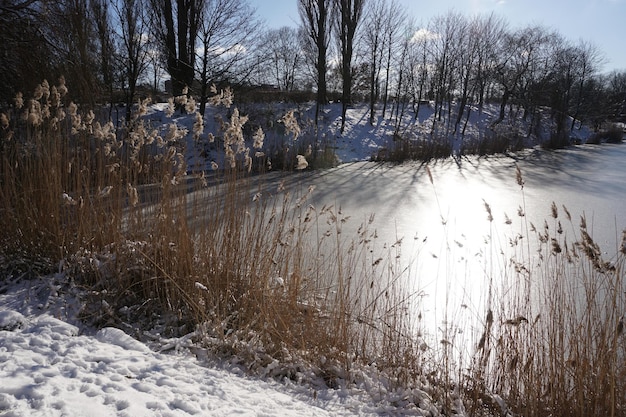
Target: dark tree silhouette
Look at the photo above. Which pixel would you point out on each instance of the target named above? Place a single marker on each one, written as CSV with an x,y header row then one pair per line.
x,y
315,16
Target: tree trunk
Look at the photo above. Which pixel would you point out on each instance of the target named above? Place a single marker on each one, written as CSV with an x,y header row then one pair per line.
x,y
505,99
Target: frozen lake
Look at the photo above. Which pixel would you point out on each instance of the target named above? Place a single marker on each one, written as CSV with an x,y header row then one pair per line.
x,y
449,246
450,251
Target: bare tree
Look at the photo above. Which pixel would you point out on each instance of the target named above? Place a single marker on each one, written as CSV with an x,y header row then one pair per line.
x,y
106,48
467,58
445,54
225,31
72,38
403,84
518,53
282,56
418,72
589,60
156,66
490,30
24,51
176,25
133,47
393,22
616,97
374,42
315,18
349,15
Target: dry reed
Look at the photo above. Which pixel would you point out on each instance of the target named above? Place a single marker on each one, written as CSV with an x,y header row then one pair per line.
x,y
225,260
256,273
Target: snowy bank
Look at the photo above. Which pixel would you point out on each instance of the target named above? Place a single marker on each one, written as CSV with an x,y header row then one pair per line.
x,y
51,367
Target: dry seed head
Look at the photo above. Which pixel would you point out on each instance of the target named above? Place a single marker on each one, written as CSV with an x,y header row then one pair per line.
x,y
152,137
68,200
430,175
518,176
45,87
181,100
55,97
142,107
258,137
569,216
133,196
38,94
4,121
198,126
45,111
489,316
171,152
190,106
89,118
72,109
224,98
248,161
60,113
34,113
19,101
555,210
291,124
301,162
227,98
174,134
556,248
77,124
62,89
106,191
488,208
169,111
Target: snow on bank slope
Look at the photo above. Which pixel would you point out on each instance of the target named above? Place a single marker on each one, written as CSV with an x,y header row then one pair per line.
x,y
47,369
363,139
51,367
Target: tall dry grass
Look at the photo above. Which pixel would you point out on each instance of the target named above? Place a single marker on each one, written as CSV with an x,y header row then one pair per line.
x,y
248,269
551,341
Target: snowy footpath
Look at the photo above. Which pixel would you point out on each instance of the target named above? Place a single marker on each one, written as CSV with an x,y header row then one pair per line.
x,y
51,367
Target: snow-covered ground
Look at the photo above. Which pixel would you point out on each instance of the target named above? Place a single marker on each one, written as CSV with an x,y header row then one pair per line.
x,y
53,365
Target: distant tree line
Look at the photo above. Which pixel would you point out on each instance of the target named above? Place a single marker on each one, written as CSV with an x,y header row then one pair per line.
x,y
365,50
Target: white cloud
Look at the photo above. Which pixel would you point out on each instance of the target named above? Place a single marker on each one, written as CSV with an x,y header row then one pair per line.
x,y
424,34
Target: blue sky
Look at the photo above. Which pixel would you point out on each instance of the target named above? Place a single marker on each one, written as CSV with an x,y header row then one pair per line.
x,y
602,22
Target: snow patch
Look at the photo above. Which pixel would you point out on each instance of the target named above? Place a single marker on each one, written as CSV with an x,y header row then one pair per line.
x,y
117,337
11,320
